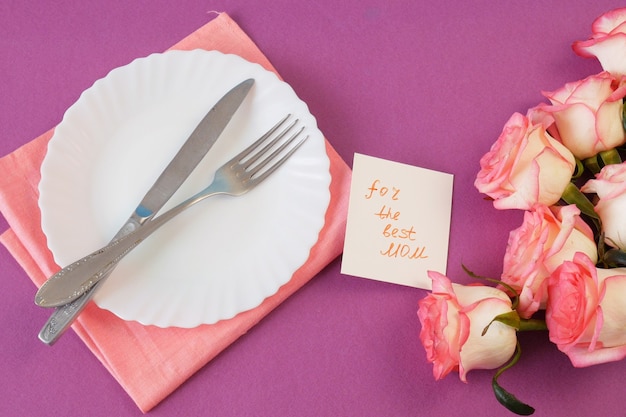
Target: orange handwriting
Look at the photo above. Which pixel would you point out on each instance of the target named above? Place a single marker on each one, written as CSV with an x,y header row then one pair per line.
x,y
390,231
382,191
386,213
404,251
398,233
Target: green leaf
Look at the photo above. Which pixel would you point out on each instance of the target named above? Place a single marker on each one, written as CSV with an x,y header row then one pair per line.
x,y
592,164
579,170
510,318
510,402
572,195
614,258
600,160
610,157
506,398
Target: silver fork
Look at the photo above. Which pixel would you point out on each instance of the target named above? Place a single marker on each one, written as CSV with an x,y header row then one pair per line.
x,y
236,177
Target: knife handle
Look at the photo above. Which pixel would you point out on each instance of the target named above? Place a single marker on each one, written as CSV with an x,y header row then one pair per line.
x,y
65,315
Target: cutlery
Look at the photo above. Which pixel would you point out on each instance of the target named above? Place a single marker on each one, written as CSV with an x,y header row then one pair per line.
x,y
184,162
236,177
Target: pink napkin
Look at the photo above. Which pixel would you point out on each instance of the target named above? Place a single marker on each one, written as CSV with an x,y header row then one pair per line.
x,y
151,362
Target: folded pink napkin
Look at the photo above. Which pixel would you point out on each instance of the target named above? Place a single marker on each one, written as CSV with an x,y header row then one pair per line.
x,y
151,362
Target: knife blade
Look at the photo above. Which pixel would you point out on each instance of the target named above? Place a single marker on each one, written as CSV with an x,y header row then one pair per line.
x,y
180,167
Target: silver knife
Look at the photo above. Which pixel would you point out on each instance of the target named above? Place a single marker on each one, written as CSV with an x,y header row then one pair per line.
x,y
188,157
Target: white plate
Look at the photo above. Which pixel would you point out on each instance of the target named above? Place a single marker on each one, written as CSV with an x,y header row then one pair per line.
x,y
218,258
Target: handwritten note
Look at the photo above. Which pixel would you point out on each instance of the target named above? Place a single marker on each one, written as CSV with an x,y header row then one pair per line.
x,y
398,222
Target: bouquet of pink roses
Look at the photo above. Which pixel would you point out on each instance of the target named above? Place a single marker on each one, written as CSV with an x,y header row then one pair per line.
x,y
561,163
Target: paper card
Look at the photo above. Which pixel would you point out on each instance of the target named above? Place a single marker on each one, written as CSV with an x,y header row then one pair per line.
x,y
398,223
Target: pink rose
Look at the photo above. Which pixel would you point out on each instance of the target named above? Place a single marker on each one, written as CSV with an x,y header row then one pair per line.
x,y
546,238
586,312
453,318
610,186
588,114
525,166
608,42
537,115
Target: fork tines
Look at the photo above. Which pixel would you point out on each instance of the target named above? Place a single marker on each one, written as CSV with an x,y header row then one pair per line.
x,y
277,152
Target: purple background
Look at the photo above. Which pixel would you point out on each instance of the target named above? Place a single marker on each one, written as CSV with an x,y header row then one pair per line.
x,y
424,83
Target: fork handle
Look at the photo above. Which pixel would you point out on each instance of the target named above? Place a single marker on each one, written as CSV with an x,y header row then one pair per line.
x,y
77,278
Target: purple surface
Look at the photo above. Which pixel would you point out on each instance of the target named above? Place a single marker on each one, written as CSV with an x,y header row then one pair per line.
x,y
424,83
